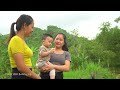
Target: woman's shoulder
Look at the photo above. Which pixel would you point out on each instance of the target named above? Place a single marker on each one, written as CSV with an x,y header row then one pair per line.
x,y
16,39
66,52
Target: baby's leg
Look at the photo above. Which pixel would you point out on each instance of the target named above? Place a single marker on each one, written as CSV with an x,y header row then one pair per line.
x,y
52,74
40,64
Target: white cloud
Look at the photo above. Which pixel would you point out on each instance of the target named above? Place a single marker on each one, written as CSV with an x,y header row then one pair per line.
x,y
87,22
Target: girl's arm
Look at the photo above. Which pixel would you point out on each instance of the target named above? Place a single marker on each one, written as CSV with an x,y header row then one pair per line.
x,y
19,60
65,67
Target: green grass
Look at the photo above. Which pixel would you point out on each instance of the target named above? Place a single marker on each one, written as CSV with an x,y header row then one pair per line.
x,y
89,70
72,75
77,74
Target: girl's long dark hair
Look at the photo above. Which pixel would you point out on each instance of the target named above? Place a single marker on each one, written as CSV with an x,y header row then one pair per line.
x,y
23,19
12,33
65,47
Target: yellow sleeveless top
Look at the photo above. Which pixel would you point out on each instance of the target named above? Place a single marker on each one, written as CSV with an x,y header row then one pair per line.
x,y
17,45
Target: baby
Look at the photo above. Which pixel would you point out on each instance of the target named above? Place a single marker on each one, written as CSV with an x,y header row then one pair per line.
x,y
44,53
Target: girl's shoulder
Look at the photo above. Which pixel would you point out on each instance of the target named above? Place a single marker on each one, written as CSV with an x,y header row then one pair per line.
x,y
66,52
16,39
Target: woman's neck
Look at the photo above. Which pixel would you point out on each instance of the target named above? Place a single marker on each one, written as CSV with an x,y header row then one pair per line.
x,y
21,35
58,51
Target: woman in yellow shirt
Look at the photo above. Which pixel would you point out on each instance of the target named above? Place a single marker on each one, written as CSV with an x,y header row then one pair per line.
x,y
19,53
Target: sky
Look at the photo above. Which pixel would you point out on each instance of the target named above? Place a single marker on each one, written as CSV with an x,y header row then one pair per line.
x,y
86,22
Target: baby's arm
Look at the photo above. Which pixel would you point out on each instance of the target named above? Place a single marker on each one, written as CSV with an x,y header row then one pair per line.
x,y
46,53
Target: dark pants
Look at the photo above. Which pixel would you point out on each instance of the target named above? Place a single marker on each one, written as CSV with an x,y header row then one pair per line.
x,y
45,75
18,75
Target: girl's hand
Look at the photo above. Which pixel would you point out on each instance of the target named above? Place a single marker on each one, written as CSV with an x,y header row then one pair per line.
x,y
43,69
48,66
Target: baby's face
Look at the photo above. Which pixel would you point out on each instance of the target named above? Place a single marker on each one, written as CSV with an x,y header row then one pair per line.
x,y
48,42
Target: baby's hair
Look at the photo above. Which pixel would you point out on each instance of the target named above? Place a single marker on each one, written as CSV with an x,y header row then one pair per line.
x,y
46,35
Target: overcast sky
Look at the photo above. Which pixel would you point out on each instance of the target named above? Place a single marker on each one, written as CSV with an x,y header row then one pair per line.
x,y
86,22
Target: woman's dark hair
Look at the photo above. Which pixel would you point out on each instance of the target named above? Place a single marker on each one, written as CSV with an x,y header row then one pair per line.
x,y
65,47
23,19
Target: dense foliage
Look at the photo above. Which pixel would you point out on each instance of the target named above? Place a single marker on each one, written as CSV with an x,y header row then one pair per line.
x,y
103,52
